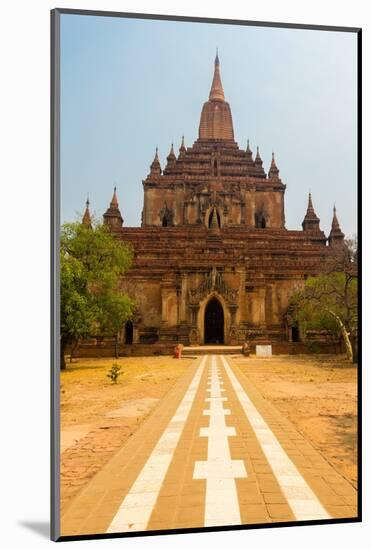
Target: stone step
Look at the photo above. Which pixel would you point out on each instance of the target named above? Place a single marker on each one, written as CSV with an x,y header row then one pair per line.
x,y
211,350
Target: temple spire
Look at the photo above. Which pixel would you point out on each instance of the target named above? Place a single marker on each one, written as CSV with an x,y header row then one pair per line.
x,y
249,153
311,220
335,222
171,158
156,166
336,237
258,164
216,92
114,201
182,148
216,117
112,216
86,219
273,170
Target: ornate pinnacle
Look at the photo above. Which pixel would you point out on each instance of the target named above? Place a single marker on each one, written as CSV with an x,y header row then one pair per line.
x,y
86,219
273,170
171,155
311,220
156,166
335,222
258,159
336,236
216,92
114,201
182,148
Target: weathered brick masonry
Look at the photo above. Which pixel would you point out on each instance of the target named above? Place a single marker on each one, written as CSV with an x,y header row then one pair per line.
x,y
213,261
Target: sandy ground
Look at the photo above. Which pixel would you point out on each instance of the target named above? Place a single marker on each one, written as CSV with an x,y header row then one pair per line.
x,y
97,416
318,394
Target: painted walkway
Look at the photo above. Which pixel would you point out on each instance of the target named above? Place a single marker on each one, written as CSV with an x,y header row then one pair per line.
x,y
213,452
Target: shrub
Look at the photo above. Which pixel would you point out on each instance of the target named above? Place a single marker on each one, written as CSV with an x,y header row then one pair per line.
x,y
114,373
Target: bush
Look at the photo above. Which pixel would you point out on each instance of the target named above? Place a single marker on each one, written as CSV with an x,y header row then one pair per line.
x,y
313,347
114,373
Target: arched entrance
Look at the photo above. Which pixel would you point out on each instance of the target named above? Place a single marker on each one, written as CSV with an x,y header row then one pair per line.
x,y
214,323
129,332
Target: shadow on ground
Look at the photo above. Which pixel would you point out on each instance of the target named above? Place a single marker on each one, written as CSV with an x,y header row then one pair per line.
x,y
41,528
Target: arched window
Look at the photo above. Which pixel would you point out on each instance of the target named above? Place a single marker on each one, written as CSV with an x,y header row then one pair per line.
x,y
260,221
164,222
211,215
215,167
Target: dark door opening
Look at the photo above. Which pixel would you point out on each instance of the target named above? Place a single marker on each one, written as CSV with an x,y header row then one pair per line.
x,y
214,323
129,332
295,333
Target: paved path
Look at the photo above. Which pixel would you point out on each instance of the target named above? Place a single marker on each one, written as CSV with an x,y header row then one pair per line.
x,y
213,452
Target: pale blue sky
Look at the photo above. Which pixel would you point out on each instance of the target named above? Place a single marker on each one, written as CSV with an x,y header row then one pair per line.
x,y
129,84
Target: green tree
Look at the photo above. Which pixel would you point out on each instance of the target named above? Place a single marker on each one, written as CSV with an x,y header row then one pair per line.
x,y
330,299
91,264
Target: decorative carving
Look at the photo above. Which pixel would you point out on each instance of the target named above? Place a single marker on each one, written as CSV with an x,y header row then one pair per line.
x,y
213,281
193,336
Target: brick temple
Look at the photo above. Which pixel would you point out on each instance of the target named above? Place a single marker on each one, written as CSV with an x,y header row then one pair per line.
x,y
213,261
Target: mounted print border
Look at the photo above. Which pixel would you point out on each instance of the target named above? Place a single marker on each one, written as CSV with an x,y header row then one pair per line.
x,y
187,330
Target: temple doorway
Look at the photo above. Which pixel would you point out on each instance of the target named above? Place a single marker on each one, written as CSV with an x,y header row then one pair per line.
x,y
295,335
214,323
129,332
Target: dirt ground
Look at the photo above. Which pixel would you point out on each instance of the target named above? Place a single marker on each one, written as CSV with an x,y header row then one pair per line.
x,y
97,416
318,394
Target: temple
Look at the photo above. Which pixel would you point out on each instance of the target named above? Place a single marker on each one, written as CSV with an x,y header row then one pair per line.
x,y
213,261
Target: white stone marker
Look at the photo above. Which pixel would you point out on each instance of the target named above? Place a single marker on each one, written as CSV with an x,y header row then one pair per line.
x,y
264,351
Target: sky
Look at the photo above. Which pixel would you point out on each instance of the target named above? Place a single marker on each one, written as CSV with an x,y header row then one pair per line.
x,y
128,85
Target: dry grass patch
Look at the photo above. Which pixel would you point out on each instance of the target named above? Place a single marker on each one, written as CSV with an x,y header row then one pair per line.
x,y
318,394
97,416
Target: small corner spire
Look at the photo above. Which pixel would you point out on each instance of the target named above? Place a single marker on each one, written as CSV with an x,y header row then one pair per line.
x,y
311,220
86,219
171,158
336,237
156,166
273,170
182,148
258,159
114,201
112,216
335,222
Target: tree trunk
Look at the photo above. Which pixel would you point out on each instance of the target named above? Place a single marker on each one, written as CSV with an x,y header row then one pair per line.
x,y
117,347
353,339
345,335
62,358
74,346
